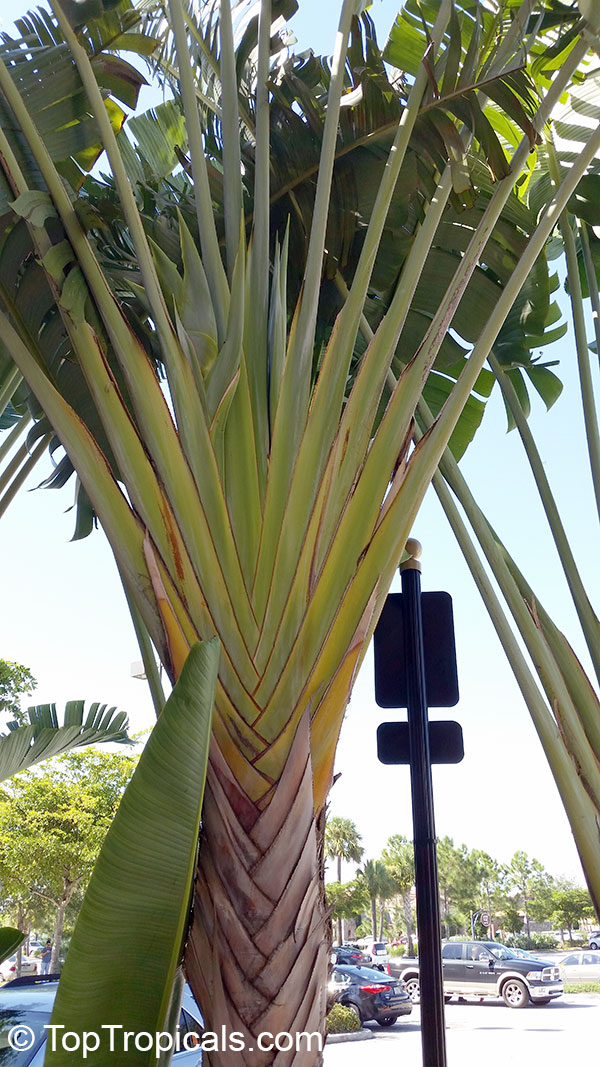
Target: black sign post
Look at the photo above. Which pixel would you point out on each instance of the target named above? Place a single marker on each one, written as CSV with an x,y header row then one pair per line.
x,y
412,671
433,1027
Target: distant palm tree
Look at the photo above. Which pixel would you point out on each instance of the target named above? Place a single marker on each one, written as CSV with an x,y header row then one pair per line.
x,y
379,885
342,842
399,859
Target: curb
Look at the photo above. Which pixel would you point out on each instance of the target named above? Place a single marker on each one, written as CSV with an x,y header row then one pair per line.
x,y
354,1035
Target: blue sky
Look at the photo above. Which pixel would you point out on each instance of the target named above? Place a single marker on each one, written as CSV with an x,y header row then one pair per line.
x,y
65,617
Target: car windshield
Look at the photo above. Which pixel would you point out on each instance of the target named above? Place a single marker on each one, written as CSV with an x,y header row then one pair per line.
x,y
30,1022
379,947
358,974
501,952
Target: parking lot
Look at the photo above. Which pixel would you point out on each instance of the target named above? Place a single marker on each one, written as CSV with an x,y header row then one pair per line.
x,y
560,1034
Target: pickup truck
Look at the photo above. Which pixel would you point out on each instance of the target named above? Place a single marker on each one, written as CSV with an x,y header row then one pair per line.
x,y
487,969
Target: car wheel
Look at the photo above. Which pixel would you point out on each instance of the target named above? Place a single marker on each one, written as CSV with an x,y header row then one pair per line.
x,y
594,944
514,993
387,1020
354,1008
412,988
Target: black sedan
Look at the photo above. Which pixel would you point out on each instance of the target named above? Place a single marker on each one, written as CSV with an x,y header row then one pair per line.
x,y
371,994
350,955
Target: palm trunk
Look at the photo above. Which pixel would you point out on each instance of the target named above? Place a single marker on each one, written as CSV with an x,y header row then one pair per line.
x,y
21,927
58,932
257,953
408,923
374,917
340,930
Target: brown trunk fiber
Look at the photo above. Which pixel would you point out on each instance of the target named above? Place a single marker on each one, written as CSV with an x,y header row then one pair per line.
x,y
257,953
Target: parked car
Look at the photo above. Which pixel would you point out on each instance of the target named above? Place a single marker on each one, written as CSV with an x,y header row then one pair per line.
x,y
28,1003
594,939
354,956
488,969
378,952
581,967
8,969
371,996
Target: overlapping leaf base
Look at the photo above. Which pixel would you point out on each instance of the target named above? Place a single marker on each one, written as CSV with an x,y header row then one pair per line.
x,y
257,952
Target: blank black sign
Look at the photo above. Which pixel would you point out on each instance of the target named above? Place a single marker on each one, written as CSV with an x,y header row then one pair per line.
x,y
440,652
445,742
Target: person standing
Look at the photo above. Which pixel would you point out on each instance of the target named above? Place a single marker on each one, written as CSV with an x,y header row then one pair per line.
x,y
46,955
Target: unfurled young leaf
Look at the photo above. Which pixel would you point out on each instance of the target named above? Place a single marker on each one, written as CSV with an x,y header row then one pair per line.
x,y
57,260
35,206
74,295
194,303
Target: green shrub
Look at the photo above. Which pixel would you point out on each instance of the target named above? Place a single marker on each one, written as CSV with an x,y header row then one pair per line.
x,y
342,1020
582,987
539,941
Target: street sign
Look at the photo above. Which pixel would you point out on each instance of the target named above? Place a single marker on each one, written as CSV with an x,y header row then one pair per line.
x,y
445,742
485,918
441,677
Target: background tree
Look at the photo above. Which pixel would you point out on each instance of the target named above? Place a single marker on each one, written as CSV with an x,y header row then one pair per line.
x,y
342,842
492,884
379,886
52,825
458,882
16,682
534,886
24,912
398,856
348,900
569,907
511,919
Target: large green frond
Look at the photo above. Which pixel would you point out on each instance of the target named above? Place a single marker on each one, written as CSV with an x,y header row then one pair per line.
x,y
45,736
137,904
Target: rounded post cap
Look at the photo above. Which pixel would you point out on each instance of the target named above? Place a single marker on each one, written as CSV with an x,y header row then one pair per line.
x,y
414,549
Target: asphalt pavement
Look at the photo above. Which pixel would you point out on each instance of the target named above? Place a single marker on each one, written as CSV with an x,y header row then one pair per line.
x,y
561,1034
